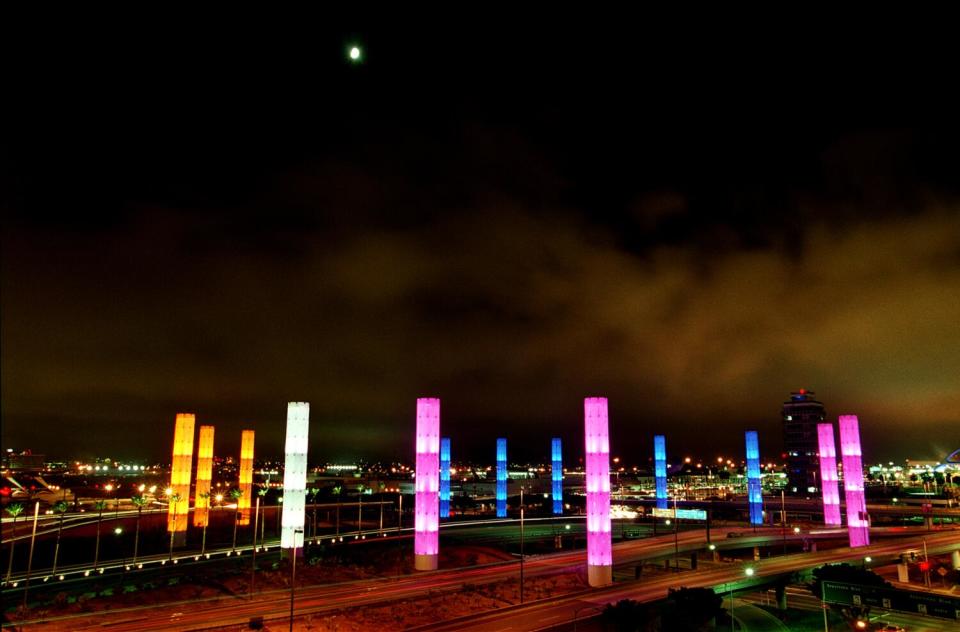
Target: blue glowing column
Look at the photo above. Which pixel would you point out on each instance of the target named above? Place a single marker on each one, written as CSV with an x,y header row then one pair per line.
x,y
501,478
754,491
660,469
556,476
445,477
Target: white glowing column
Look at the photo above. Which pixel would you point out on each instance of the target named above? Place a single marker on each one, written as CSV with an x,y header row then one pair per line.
x,y
179,499
201,501
426,545
246,476
828,475
858,522
295,475
599,547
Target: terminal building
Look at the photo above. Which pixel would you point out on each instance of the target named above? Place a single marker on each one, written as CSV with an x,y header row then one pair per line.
x,y
801,414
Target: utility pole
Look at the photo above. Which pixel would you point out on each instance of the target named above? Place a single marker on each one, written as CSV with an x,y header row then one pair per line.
x,y
33,538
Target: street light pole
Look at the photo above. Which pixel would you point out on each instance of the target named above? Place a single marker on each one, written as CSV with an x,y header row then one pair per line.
x,y
521,544
293,572
783,521
253,565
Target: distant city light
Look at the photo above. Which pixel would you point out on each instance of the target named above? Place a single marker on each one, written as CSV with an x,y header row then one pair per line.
x,y
355,53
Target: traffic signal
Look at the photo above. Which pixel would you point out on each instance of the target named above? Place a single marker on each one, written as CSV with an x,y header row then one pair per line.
x,y
925,566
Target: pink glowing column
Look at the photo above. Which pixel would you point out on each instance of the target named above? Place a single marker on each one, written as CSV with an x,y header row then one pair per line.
x,y
599,555
828,475
858,522
426,546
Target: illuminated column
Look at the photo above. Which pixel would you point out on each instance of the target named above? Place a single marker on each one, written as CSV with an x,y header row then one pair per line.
x,y
828,475
295,475
501,478
858,522
445,477
180,477
754,489
556,476
660,469
246,477
599,553
426,544
201,502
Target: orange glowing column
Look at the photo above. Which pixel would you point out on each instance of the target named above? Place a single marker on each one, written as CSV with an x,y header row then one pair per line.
x,y
201,503
180,473
246,476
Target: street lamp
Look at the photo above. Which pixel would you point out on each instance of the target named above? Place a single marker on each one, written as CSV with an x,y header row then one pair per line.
x,y
293,572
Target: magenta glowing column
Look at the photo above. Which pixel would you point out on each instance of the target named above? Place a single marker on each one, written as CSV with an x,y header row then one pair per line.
x,y
858,522
426,545
828,475
599,554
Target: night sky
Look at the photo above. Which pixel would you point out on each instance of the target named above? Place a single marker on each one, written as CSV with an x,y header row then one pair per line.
x,y
692,222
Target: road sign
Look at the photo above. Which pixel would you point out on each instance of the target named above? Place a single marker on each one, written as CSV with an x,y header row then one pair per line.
x,y
683,514
927,603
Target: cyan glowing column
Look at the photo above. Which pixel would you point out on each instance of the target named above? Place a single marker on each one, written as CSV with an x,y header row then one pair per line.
x,y
501,478
754,490
828,475
445,477
599,553
426,545
858,523
556,476
660,469
295,475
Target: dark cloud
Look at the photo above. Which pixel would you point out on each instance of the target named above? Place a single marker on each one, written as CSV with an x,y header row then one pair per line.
x,y
510,228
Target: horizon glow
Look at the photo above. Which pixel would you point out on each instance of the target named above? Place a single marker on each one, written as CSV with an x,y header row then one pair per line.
x,y
660,469
426,516
501,478
245,482
556,475
445,477
180,472
829,481
295,475
858,522
597,449
754,488
201,505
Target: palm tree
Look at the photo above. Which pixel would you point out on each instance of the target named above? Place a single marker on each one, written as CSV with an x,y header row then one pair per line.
x,y
313,500
203,542
359,509
174,498
337,491
262,492
14,510
59,507
100,505
140,502
235,495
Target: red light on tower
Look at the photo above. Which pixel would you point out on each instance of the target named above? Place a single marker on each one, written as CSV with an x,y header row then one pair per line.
x,y
803,391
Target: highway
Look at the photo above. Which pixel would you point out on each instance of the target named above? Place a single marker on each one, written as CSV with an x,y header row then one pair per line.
x,y
317,599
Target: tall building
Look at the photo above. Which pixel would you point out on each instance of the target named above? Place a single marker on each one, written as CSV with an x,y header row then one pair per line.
x,y
801,414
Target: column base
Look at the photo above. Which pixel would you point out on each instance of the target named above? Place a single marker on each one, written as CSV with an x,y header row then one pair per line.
x,y
425,562
599,576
